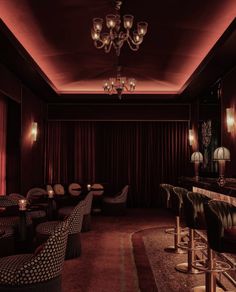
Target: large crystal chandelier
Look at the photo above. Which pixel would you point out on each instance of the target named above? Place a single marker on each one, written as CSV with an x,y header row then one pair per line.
x,y
115,36
119,84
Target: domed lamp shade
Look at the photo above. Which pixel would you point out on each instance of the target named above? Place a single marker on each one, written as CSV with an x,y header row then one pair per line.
x,y
221,155
196,158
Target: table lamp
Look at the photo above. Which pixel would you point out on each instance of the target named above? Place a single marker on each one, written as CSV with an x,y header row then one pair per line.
x,y
221,155
196,158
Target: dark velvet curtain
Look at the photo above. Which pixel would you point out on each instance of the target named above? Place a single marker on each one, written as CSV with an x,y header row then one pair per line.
x,y
3,135
141,154
69,152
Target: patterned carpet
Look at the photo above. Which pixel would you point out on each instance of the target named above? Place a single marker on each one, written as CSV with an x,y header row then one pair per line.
x,y
126,254
162,263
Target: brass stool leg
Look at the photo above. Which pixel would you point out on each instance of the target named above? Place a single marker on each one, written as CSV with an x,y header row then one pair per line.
x,y
187,267
210,278
177,233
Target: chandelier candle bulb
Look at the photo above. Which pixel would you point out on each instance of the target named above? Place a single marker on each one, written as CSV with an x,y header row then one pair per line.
x,y
88,187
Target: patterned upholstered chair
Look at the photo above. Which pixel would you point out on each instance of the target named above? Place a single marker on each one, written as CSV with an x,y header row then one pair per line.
x,y
7,241
44,230
87,204
116,205
74,189
9,205
59,189
39,272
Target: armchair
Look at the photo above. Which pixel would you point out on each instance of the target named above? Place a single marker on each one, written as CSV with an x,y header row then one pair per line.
x,y
116,205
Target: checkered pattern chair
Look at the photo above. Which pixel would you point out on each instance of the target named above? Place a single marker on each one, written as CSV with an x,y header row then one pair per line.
x,y
44,230
39,272
87,203
7,241
116,205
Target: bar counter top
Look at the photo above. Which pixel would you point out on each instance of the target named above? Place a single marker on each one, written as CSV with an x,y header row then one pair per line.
x,y
210,184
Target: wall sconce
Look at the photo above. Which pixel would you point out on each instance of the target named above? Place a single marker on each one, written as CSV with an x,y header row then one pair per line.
x,y
230,119
221,155
190,137
196,158
34,131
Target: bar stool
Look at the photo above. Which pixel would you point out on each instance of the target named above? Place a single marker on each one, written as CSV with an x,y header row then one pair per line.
x,y
176,205
195,220
165,200
221,235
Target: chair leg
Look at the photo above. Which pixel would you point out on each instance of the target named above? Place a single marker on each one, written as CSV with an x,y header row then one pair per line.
x,y
210,276
188,266
177,234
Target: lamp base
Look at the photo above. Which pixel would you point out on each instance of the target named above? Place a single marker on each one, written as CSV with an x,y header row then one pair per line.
x,y
221,181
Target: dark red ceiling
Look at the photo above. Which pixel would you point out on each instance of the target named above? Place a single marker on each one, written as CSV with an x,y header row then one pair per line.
x,y
56,34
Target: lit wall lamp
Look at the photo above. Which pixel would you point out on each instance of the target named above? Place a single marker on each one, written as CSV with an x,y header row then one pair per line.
x,y
190,137
34,131
230,119
221,155
196,158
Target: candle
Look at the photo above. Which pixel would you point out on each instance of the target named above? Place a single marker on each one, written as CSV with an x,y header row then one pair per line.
x,y
50,193
88,187
22,204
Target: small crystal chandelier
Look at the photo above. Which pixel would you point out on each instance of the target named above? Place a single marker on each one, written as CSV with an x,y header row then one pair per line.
x,y
116,37
118,84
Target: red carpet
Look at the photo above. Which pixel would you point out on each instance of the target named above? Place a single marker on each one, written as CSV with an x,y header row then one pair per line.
x,y
107,261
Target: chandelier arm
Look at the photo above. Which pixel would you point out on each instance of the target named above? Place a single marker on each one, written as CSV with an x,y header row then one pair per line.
x,y
108,48
135,43
96,43
131,45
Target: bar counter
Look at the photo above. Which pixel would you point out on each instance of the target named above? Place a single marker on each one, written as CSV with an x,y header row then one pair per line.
x,y
209,187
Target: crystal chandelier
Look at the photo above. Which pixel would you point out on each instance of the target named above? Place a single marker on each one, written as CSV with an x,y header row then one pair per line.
x,y
115,36
118,84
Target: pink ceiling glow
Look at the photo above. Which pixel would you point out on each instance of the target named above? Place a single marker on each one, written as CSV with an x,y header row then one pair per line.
x,y
57,36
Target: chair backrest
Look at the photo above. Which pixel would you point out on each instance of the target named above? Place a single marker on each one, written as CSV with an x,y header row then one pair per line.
x,y
98,189
87,203
167,188
35,193
5,201
219,216
16,197
76,218
59,189
49,188
122,198
74,189
48,263
194,210
176,199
